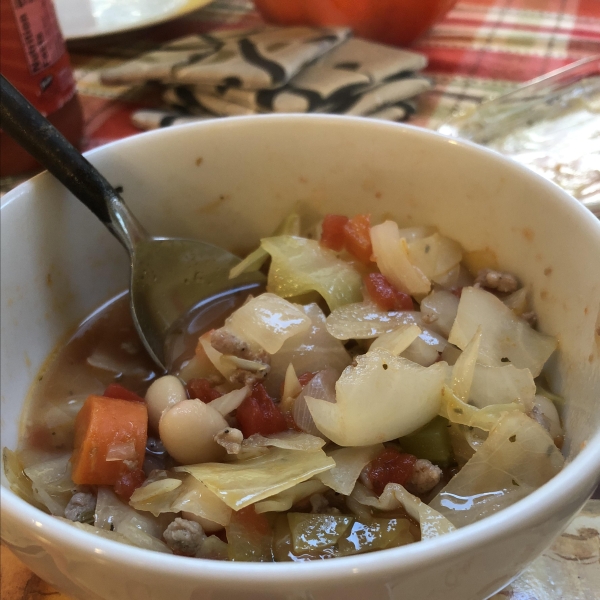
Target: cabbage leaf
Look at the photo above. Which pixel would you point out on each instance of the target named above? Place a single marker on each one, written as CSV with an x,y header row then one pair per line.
x,y
434,255
517,457
245,482
381,398
300,265
504,334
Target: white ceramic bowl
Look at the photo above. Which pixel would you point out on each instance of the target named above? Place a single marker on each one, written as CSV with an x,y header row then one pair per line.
x,y
229,182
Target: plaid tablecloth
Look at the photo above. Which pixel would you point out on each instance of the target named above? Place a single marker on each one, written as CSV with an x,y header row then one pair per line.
x,y
481,49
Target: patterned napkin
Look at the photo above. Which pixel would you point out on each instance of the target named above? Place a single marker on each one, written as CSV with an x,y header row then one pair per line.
x,y
275,69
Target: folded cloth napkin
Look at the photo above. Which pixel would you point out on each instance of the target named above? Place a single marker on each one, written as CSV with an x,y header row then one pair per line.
x,y
275,69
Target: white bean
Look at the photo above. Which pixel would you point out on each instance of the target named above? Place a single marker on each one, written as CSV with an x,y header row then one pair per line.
x,y
162,394
187,430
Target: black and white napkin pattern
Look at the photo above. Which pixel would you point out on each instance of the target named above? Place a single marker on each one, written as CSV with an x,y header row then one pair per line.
x,y
275,69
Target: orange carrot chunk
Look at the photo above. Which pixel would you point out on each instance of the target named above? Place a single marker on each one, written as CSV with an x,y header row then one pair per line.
x,y
110,440
357,237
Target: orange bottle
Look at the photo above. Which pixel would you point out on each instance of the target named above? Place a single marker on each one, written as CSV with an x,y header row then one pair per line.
x,y
33,57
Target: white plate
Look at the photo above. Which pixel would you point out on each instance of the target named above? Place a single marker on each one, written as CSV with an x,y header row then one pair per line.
x,y
90,18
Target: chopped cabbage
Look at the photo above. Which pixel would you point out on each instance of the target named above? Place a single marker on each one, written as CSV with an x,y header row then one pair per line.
x,y
501,385
187,494
457,411
365,320
517,457
19,483
267,321
375,533
349,462
309,352
432,522
300,265
194,497
426,349
245,482
255,260
51,483
135,538
435,255
381,398
286,499
504,334
391,254
464,368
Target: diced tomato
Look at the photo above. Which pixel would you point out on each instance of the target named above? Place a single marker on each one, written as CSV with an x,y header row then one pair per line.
x,y
332,234
259,414
117,391
357,237
305,378
128,483
202,390
390,466
385,295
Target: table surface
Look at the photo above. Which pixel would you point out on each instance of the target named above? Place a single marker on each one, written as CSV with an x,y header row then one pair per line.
x,y
481,49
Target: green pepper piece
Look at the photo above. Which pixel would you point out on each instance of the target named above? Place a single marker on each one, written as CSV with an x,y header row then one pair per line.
x,y
377,534
432,442
313,532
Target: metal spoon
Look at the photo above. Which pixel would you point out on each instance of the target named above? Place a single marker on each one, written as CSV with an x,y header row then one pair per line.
x,y
168,276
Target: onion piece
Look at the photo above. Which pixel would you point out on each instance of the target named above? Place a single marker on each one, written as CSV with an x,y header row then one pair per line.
x,y
369,409
229,402
391,255
365,320
517,301
398,340
286,499
214,356
545,413
349,462
300,265
438,311
267,321
309,352
504,334
410,234
321,386
394,496
426,349
435,255
290,440
291,384
121,451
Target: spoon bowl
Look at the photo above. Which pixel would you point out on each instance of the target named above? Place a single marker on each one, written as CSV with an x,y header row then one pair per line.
x,y
169,276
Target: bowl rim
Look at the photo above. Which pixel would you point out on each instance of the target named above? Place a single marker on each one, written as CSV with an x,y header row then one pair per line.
x,y
579,474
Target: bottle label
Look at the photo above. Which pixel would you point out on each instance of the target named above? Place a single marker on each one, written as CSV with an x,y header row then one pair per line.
x,y
40,33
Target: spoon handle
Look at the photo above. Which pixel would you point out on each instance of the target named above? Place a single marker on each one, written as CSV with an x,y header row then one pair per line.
x,y
49,147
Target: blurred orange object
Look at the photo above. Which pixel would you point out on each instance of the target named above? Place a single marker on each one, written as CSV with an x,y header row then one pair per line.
x,y
397,22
